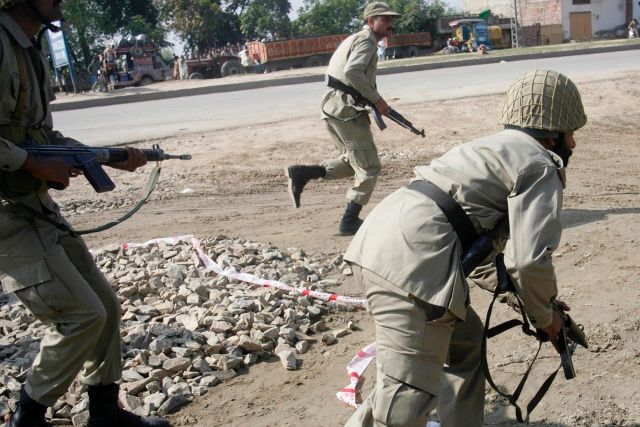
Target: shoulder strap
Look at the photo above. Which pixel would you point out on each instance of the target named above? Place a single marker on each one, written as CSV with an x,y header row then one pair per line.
x,y
506,285
151,184
456,216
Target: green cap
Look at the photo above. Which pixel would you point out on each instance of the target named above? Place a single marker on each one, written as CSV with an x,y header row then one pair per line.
x,y
378,8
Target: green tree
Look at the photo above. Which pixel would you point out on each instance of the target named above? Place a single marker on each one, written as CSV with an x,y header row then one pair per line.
x,y
323,17
202,24
266,18
88,23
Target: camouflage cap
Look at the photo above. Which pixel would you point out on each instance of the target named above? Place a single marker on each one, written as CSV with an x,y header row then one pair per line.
x,y
8,4
543,100
378,8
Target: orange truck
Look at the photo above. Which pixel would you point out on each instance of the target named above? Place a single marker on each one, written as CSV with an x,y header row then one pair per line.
x,y
295,53
408,45
316,51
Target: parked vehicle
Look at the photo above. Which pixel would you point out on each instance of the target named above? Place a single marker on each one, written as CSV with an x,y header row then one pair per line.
x,y
294,53
219,66
138,63
408,45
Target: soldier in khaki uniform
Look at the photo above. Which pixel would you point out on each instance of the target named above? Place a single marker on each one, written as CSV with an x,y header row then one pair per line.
x,y
353,63
407,256
50,271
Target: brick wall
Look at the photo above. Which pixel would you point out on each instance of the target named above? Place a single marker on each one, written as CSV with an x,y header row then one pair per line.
x,y
545,12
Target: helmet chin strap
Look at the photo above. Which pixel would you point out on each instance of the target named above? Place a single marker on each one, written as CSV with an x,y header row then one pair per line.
x,y
46,22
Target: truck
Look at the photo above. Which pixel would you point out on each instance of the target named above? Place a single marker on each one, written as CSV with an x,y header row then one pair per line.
x,y
408,45
217,66
294,53
138,64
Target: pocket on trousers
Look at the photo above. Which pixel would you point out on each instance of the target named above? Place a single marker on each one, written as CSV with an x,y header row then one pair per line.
x,y
385,397
47,299
25,276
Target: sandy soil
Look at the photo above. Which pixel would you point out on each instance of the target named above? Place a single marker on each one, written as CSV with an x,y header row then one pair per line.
x,y
235,185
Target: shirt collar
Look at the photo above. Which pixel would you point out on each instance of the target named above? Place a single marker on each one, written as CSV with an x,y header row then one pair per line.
x,y
372,36
14,29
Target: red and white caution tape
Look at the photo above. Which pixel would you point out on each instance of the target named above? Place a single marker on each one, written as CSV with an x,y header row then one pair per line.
x,y
355,369
232,273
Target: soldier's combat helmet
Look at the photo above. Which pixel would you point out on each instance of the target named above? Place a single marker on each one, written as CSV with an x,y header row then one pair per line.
x,y
544,103
8,4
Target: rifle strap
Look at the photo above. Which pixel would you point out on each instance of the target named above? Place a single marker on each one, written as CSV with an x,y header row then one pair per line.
x,y
151,184
502,287
456,216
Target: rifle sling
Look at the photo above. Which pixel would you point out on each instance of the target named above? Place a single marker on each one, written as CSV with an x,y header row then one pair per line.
x,y
456,216
151,184
526,329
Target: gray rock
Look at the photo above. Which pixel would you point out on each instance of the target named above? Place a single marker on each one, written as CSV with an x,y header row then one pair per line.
x,y
178,364
173,404
288,359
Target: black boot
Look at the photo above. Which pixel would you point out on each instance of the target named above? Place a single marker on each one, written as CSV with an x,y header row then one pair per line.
x,y
350,221
105,412
29,413
299,176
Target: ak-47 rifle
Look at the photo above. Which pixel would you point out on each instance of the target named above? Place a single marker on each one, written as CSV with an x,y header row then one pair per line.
x,y
360,100
90,160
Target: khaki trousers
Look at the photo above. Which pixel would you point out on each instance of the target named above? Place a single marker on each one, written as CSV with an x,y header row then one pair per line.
x,y
422,364
357,156
68,293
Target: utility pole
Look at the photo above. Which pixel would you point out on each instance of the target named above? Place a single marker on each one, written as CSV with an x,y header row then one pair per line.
x,y
515,24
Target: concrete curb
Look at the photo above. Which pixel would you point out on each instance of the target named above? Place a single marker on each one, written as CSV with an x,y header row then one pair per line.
x,y
231,87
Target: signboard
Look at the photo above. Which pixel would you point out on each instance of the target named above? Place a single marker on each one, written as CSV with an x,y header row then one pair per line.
x,y
58,47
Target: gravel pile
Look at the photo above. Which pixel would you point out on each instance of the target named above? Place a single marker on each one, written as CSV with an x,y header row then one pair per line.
x,y
186,329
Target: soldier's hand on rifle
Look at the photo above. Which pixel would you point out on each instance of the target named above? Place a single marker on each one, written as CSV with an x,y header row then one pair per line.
x,y
135,159
556,325
382,106
53,171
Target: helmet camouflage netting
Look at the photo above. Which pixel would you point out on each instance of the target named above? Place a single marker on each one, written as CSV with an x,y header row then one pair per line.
x,y
543,100
7,4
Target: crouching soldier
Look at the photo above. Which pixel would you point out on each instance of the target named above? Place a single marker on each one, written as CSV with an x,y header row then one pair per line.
x,y
407,255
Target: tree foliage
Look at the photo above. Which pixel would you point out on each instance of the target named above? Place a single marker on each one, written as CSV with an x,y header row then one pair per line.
x,y
206,24
89,23
266,18
324,17
202,24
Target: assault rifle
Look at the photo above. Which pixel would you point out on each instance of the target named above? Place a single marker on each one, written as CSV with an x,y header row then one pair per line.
x,y
570,336
90,160
360,100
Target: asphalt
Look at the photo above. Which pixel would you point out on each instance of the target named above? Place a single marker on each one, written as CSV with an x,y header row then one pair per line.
x,y
318,77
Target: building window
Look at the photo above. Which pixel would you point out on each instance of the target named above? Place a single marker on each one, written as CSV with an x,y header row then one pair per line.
x,y
581,1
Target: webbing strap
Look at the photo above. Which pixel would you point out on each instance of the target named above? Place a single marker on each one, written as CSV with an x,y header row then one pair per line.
x,y
496,330
151,184
456,216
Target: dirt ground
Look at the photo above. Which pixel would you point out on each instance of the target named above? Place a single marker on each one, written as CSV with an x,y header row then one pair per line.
x,y
235,185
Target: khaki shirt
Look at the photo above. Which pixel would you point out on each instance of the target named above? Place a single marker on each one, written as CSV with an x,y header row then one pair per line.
x,y
38,92
354,63
408,241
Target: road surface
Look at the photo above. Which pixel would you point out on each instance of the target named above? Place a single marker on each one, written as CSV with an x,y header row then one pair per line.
x,y
126,123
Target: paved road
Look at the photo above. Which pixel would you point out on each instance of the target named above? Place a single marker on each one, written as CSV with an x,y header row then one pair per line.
x,y
124,123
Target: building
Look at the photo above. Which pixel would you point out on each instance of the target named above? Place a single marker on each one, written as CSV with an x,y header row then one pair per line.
x,y
555,21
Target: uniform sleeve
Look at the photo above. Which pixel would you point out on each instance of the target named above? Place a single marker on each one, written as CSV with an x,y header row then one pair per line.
x,y
535,230
12,157
362,53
